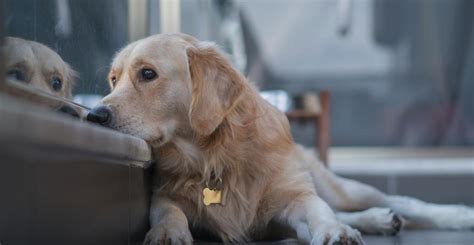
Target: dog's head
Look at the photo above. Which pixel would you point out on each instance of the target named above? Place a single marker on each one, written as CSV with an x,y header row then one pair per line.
x,y
166,85
35,64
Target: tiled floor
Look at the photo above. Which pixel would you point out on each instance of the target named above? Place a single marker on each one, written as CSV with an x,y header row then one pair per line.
x,y
421,237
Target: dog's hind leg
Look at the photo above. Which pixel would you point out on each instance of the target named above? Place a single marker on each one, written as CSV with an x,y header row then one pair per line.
x,y
348,195
340,193
379,221
366,207
314,222
421,214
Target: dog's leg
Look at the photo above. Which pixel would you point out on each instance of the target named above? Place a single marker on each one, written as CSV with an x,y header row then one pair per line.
x,y
168,223
421,214
340,193
380,221
348,195
369,205
351,195
315,222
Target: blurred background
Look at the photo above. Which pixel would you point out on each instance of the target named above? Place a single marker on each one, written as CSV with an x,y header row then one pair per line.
x,y
397,78
400,72
387,84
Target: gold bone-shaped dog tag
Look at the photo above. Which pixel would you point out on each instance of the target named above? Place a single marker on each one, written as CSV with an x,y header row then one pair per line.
x,y
212,196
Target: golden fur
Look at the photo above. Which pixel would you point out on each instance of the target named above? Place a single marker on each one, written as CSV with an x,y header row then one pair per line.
x,y
205,121
37,65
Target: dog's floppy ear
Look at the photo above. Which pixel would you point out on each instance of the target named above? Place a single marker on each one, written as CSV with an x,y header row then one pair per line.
x,y
216,87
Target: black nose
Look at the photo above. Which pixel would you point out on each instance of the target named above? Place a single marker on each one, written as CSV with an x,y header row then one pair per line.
x,y
100,115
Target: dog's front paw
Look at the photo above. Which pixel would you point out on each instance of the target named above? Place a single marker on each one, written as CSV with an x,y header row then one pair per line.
x,y
168,234
340,234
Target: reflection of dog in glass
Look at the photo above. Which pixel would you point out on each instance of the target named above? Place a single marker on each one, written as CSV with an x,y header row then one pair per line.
x,y
226,161
35,64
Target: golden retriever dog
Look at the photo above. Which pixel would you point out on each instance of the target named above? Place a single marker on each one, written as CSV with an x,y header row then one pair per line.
x,y
37,65
226,161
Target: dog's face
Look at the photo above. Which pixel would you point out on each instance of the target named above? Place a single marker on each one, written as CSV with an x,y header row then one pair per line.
x,y
150,88
35,64
166,85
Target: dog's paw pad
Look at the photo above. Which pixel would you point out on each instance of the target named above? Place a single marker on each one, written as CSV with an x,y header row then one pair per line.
x,y
396,224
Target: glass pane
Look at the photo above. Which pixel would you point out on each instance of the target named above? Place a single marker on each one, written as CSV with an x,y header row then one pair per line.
x,y
85,34
398,72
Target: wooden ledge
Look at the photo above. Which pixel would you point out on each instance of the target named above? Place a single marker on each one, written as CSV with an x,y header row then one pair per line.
x,y
23,122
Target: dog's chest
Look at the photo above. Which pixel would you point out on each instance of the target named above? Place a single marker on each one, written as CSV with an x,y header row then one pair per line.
x,y
230,221
231,218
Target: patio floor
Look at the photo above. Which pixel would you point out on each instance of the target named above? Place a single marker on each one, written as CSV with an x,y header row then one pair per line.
x,y
421,237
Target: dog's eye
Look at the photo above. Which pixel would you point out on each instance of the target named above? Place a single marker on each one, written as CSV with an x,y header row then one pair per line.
x,y
147,74
56,83
16,74
113,80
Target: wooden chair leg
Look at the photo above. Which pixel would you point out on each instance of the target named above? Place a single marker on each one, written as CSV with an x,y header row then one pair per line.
x,y
324,130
